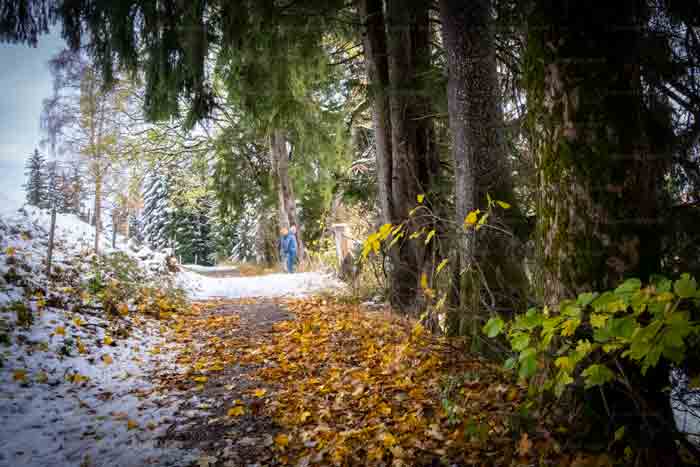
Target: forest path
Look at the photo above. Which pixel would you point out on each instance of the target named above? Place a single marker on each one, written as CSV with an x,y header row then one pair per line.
x,y
323,381
221,413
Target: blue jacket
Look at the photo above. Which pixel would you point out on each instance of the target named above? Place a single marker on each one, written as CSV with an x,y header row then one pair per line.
x,y
289,244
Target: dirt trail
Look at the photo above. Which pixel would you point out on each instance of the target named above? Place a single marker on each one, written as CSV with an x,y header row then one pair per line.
x,y
204,421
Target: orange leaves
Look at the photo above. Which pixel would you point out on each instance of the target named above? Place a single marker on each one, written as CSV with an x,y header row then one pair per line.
x,y
373,383
282,441
19,375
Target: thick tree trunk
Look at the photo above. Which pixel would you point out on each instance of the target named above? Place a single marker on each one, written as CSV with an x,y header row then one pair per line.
x,y
374,42
413,155
600,167
285,190
479,156
397,54
600,176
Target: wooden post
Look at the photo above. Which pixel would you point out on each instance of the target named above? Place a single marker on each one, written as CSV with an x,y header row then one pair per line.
x,y
342,247
51,240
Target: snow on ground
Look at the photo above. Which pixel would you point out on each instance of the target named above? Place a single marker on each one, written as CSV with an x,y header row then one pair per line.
x,y
208,269
74,389
271,285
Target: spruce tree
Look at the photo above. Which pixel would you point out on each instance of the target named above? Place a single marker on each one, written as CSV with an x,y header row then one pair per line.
x,y
156,218
36,186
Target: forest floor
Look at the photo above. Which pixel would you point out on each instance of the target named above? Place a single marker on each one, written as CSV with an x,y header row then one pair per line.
x,y
319,381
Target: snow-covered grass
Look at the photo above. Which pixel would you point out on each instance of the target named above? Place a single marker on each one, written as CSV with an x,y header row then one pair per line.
x,y
74,387
271,285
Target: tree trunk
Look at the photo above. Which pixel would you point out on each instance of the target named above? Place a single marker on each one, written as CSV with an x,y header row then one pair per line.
x,y
397,54
285,190
600,165
375,51
479,156
98,210
600,176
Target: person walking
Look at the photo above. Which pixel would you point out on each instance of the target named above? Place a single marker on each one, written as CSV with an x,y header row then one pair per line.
x,y
288,249
291,250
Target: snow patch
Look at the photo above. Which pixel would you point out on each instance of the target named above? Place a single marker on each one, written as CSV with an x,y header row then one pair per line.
x,y
272,285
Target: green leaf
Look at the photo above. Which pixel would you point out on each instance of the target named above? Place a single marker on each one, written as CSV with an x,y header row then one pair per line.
x,y
596,375
623,327
510,363
585,299
493,327
660,283
563,380
686,286
529,320
628,287
602,301
528,362
503,204
431,234
519,341
442,265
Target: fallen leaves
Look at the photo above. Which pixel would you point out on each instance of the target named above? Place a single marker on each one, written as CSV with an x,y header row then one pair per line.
x,y
236,411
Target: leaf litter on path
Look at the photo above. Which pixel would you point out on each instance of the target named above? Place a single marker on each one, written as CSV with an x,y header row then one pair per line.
x,y
338,385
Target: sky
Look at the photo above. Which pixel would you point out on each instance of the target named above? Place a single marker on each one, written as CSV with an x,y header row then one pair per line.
x,y
24,82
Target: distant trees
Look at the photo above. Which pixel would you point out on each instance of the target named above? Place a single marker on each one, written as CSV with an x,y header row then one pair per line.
x,y
48,185
35,187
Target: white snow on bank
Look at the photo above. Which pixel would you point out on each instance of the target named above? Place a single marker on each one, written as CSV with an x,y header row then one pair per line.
x,y
67,396
50,418
271,285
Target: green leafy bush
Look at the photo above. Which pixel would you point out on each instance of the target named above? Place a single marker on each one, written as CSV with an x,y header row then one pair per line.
x,y
586,338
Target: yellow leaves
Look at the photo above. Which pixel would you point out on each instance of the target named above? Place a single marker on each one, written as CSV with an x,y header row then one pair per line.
x,y
60,330
123,309
107,359
131,425
260,393
388,440
236,411
424,281
420,198
78,322
10,251
565,364
570,326
200,379
598,320
503,204
19,375
442,265
80,346
472,218
282,441
304,416
77,378
107,340
430,235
